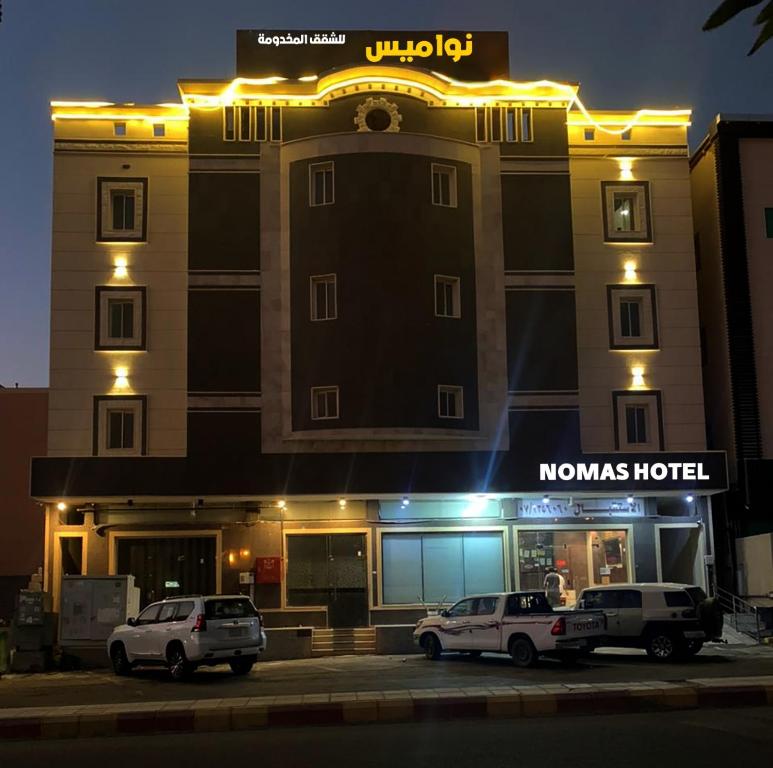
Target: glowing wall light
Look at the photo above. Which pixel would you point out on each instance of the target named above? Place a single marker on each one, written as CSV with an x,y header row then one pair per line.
x,y
120,271
121,378
626,168
630,271
637,376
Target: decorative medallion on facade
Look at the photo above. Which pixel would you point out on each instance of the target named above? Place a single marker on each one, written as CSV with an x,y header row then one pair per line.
x,y
378,114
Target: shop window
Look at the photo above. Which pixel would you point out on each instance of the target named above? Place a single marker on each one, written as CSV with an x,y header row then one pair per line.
x,y
632,317
626,210
119,425
121,209
324,403
769,222
321,184
584,558
638,420
444,185
450,402
441,567
447,299
120,318
323,297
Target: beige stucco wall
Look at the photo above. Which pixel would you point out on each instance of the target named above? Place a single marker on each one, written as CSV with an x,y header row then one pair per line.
x,y
79,263
668,262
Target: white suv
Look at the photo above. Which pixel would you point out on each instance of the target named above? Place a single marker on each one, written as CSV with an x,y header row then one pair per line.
x,y
186,632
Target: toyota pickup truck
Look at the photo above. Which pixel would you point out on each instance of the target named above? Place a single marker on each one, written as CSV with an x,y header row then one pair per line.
x,y
522,624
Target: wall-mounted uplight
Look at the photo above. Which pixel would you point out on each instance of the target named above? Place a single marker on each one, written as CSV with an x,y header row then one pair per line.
x,y
244,553
637,376
630,271
342,503
281,503
629,500
626,168
689,498
405,502
121,378
61,506
546,499
121,272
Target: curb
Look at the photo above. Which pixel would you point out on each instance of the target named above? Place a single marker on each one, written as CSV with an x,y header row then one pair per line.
x,y
380,706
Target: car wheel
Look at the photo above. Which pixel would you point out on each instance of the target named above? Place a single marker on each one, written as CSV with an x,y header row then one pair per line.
x,y
179,666
432,649
121,664
662,646
241,666
523,652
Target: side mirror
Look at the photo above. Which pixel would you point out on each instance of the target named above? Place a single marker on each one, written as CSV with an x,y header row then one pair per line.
x,y
131,622
445,614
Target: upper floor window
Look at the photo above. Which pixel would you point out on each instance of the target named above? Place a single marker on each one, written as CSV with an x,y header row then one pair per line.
x,y
324,304
119,425
450,402
636,424
638,420
159,130
626,211
630,318
447,300
324,403
510,126
229,123
769,222
120,318
633,322
321,183
589,134
444,185
121,209
119,129
526,124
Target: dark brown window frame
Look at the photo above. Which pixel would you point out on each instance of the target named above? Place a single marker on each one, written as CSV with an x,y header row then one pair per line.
x,y
630,238
647,287
101,180
143,315
142,399
655,394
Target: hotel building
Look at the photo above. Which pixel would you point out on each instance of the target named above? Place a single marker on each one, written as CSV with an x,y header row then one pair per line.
x,y
373,326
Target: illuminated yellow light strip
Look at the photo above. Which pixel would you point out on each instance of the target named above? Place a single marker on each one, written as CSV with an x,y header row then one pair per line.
x,y
88,104
123,117
638,118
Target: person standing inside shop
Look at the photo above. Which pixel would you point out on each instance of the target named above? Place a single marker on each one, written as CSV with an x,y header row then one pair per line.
x,y
553,586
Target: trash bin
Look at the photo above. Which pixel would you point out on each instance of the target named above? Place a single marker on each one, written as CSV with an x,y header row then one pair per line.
x,y
4,648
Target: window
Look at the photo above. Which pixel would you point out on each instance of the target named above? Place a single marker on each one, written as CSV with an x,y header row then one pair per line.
x,y
159,129
526,124
447,301
636,424
450,402
184,610
119,425
276,123
510,124
632,317
496,124
260,124
638,421
486,605
600,600
626,211
481,135
323,297
149,615
589,134
167,612
436,567
629,598
321,184
678,599
121,209
769,222
464,608
120,318
245,123
626,135
324,403
229,123
534,602
119,129
444,185
229,608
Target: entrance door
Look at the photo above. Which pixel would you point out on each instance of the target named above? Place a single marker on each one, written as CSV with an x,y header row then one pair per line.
x,y
330,570
680,554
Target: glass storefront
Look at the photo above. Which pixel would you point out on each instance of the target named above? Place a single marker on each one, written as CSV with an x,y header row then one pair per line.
x,y
582,558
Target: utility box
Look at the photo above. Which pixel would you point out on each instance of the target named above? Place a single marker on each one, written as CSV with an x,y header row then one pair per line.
x,y
91,606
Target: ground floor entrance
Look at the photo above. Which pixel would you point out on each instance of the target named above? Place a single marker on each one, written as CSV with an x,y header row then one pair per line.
x,y
329,570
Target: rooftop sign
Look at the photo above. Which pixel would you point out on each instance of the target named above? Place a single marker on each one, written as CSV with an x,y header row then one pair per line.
x,y
295,54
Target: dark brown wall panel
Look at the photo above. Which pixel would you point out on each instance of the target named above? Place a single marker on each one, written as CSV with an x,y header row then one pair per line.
x,y
537,219
539,436
541,340
385,240
225,433
223,341
224,221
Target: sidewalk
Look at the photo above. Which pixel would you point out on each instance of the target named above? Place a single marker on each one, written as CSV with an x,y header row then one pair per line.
x,y
248,713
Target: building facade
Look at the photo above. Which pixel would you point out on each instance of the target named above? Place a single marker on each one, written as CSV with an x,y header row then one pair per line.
x,y
375,326
732,182
23,434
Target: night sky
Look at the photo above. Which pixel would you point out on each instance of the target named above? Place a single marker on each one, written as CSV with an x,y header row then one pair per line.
x,y
625,55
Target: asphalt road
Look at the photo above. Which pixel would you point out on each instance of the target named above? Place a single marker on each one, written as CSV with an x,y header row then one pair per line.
x,y
705,738
368,673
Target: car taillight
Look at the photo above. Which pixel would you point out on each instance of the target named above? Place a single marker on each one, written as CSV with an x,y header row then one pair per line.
x,y
559,628
200,625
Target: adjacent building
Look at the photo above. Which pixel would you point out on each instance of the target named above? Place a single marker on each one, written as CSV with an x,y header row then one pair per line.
x,y
23,424
374,326
732,183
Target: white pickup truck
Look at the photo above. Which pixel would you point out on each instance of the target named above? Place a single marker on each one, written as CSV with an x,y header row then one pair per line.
x,y
519,623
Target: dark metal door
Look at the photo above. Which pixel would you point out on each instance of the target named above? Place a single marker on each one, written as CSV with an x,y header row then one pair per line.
x,y
347,580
